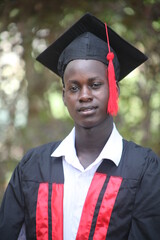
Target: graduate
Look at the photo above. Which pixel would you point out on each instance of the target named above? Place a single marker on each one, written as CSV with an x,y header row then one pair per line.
x,y
93,184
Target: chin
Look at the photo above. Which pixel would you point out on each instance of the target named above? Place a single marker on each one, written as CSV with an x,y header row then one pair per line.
x,y
93,124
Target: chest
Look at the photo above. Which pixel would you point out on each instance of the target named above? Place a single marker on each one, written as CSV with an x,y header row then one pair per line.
x,y
70,205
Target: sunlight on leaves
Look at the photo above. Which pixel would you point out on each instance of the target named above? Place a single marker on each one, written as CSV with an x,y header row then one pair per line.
x,y
58,109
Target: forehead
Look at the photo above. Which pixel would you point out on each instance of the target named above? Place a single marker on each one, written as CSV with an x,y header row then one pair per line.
x,y
91,68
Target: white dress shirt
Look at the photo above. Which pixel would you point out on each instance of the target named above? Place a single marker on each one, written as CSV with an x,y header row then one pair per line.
x,y
77,179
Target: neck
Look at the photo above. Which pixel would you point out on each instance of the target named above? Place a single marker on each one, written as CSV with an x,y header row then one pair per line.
x,y
90,142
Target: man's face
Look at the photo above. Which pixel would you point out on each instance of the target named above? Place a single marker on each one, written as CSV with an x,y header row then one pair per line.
x,y
85,92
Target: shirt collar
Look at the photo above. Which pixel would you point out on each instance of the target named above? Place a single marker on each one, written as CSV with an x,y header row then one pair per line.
x,y
112,149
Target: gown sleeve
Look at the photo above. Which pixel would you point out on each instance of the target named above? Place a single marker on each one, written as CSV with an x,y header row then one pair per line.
x,y
146,215
12,208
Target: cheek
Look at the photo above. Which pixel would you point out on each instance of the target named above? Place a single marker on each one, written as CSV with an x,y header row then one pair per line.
x,y
70,105
69,102
104,99
104,95
66,98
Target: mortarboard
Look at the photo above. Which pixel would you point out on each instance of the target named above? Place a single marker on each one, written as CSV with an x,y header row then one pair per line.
x,y
86,39
129,57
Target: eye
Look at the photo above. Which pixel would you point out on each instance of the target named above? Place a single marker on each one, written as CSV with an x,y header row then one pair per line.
x,y
74,88
96,85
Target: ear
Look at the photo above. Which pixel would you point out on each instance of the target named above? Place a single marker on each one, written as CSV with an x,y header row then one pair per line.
x,y
118,88
63,96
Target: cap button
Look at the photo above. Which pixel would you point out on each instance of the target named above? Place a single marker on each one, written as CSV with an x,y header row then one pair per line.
x,y
110,56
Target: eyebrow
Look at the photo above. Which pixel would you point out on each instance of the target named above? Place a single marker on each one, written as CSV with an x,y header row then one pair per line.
x,y
91,79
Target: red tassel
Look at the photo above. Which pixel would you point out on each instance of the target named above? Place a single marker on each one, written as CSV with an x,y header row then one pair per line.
x,y
113,93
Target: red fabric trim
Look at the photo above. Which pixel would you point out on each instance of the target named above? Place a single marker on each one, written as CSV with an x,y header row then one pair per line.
x,y
89,206
106,208
42,212
113,93
57,211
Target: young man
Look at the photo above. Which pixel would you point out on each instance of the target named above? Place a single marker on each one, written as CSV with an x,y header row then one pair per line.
x,y
94,184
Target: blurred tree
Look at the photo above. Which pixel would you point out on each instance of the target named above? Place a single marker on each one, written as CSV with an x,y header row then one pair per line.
x,y
31,109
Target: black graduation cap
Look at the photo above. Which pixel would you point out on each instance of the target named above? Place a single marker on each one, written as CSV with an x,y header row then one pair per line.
x,y
128,56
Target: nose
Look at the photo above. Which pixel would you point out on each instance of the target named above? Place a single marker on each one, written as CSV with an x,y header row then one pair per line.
x,y
85,95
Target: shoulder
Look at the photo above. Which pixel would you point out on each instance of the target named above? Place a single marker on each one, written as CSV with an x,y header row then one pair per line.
x,y
133,150
37,163
138,159
39,153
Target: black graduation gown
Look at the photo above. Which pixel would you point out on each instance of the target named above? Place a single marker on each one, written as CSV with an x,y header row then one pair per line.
x,y
122,203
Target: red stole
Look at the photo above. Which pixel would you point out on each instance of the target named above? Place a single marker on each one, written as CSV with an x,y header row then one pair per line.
x,y
96,214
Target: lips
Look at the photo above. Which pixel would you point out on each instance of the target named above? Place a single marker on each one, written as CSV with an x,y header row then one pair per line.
x,y
87,109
